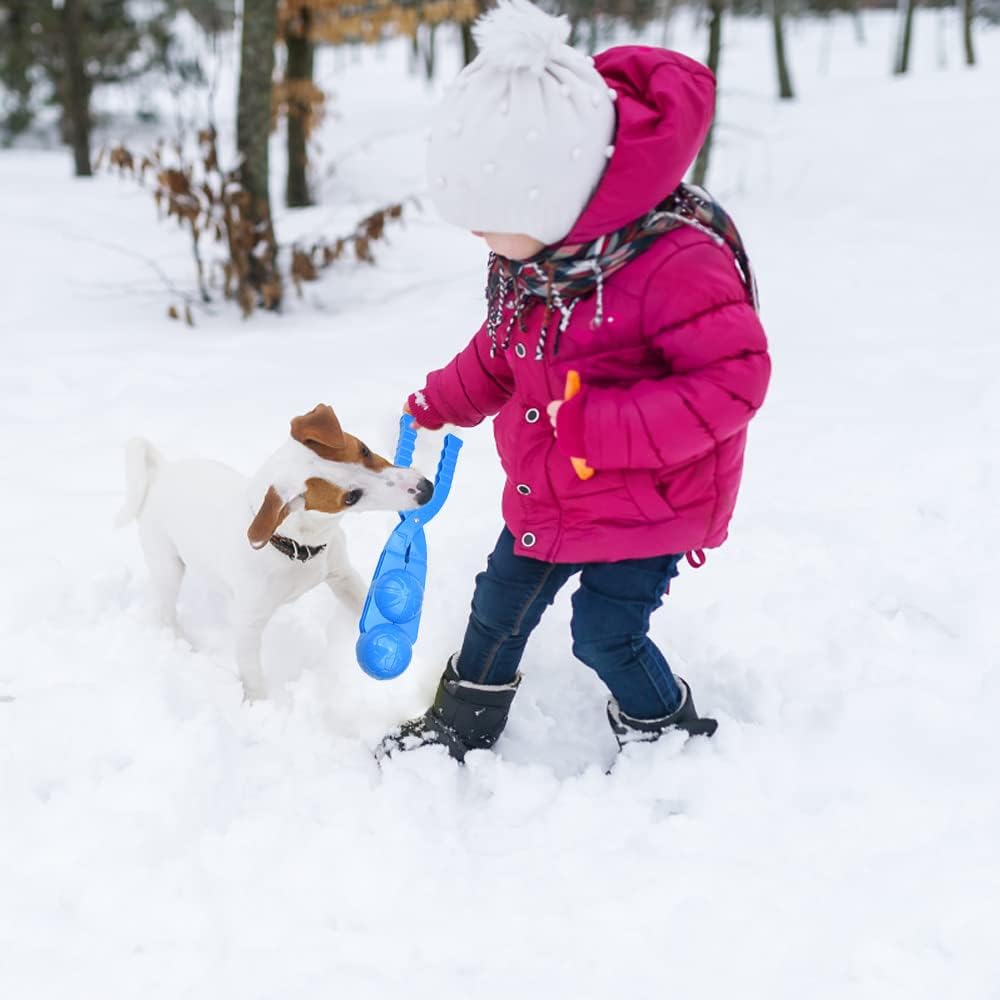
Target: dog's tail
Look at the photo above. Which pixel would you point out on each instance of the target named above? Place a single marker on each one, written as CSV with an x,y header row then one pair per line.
x,y
141,462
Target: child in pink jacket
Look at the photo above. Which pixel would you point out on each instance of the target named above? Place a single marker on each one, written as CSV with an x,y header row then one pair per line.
x,y
603,264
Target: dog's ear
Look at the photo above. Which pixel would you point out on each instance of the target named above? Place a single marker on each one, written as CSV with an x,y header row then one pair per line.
x,y
272,512
320,430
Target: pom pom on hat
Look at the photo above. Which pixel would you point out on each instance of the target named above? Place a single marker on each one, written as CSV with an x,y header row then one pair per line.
x,y
519,141
517,35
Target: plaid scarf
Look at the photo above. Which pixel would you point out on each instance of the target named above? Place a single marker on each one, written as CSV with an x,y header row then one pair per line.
x,y
563,275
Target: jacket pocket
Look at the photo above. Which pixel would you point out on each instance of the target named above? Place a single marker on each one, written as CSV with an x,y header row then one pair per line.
x,y
647,496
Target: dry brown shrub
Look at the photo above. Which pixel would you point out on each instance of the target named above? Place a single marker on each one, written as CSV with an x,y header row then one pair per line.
x,y
212,206
307,264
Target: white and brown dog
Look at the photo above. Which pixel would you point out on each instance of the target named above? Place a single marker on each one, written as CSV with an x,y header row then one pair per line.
x,y
193,515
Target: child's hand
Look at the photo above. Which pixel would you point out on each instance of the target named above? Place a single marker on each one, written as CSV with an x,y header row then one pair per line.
x,y
429,418
409,412
553,410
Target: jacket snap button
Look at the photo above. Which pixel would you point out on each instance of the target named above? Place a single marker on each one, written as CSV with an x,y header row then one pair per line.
x,y
528,539
520,350
532,416
524,489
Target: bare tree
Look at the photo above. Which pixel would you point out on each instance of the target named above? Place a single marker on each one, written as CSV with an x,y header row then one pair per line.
x,y
253,129
76,86
968,14
253,113
429,50
423,49
785,91
907,8
468,42
299,80
667,8
859,24
715,12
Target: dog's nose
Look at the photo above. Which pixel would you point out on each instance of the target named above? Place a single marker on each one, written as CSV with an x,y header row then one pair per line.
x,y
424,491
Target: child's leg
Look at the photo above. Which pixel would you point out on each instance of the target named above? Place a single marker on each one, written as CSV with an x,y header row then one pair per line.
x,y
510,597
610,620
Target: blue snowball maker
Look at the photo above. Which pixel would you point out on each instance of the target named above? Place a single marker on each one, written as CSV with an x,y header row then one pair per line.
x,y
390,619
384,652
399,596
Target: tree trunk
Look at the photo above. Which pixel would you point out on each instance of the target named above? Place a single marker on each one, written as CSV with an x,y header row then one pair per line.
x,y
468,43
968,14
14,37
469,50
414,59
826,44
942,38
253,130
906,12
76,87
430,51
859,24
785,91
666,15
298,72
253,113
716,8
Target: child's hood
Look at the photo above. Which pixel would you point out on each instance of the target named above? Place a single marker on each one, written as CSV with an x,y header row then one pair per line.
x,y
665,106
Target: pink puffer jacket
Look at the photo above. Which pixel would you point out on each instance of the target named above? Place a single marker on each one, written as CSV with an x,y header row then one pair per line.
x,y
671,376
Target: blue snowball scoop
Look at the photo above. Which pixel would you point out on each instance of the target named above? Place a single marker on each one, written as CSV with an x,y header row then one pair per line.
x,y
399,595
390,620
384,652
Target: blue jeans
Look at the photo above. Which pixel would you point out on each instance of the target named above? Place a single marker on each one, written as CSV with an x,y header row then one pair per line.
x,y
611,613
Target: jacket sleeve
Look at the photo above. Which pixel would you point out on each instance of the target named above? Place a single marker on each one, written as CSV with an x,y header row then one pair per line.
x,y
716,366
471,387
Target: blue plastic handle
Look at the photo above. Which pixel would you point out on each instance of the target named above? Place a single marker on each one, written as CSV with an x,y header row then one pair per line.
x,y
390,620
407,442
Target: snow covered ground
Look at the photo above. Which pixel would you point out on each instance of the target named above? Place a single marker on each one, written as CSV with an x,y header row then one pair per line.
x,y
838,839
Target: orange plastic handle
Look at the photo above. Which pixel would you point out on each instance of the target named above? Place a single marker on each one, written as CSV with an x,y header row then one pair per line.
x,y
580,466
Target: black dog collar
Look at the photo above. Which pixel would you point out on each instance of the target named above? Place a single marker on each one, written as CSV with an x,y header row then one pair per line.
x,y
291,548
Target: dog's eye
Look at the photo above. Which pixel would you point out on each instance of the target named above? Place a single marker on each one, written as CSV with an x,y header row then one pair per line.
x,y
365,451
352,497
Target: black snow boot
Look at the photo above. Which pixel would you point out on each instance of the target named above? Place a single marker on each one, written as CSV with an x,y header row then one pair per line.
x,y
686,718
464,717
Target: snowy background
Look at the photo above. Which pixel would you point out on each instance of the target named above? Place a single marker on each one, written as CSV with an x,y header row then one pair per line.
x,y
838,839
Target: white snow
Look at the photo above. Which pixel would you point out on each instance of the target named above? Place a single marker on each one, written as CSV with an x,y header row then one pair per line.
x,y
160,839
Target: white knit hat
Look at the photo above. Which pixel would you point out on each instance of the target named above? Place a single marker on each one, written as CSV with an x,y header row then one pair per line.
x,y
523,134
